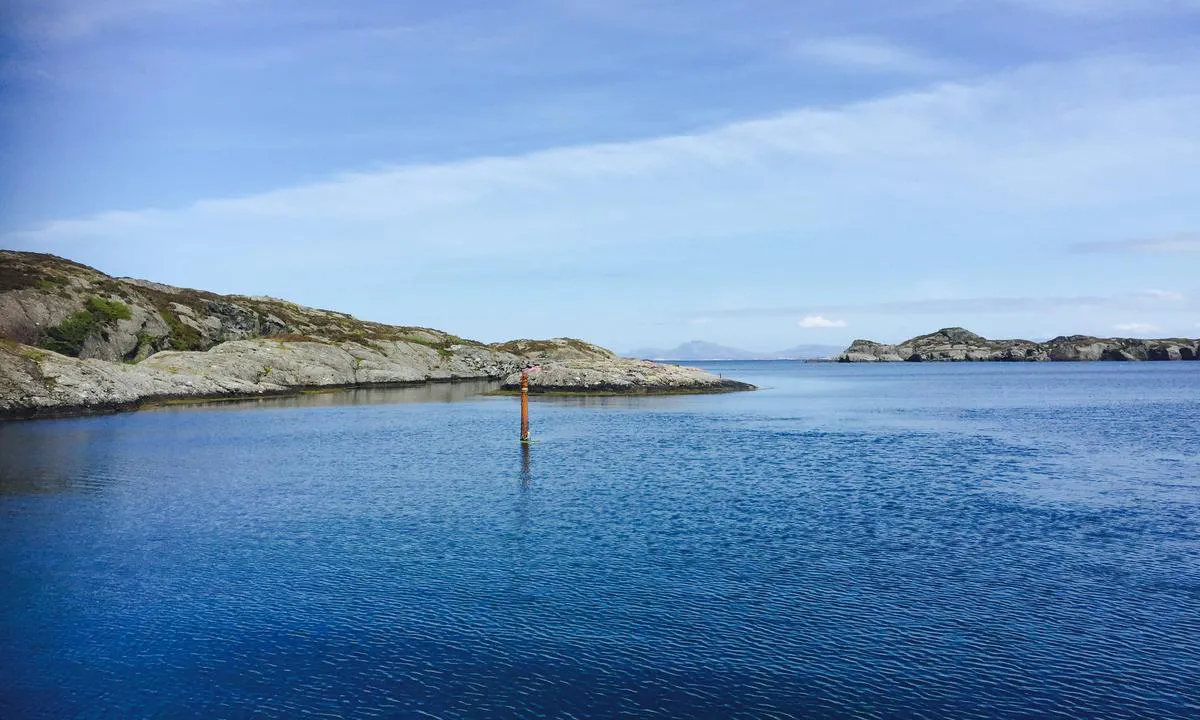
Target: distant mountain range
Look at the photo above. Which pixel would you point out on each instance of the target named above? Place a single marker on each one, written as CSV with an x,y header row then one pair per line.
x,y
699,350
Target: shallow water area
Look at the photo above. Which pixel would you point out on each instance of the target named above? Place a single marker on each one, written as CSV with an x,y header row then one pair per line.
x,y
940,541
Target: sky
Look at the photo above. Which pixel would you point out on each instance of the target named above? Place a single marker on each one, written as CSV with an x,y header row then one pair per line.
x,y
757,173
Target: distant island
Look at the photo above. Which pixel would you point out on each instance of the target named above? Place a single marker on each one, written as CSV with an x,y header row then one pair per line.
x,y
700,350
958,345
74,340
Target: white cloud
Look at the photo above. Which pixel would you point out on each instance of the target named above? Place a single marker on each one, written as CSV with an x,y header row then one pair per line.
x,y
817,321
1168,295
876,55
1137,328
1178,243
1110,8
1061,137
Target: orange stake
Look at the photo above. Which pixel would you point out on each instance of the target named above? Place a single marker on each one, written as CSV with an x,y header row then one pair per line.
x,y
524,406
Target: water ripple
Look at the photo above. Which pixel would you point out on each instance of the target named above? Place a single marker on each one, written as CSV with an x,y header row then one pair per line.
x,y
936,554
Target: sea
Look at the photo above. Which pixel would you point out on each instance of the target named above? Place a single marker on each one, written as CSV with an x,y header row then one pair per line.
x,y
848,541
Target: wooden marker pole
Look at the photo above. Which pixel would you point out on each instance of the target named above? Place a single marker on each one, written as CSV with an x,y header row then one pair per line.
x,y
524,406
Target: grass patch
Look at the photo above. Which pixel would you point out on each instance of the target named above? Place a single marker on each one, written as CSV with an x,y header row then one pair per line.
x,y
51,282
16,348
108,311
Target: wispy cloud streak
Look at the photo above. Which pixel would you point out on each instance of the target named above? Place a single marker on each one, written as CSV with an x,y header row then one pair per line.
x,y
1150,299
1181,243
869,54
997,142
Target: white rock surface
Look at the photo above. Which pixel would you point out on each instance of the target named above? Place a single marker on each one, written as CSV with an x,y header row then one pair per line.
x,y
37,382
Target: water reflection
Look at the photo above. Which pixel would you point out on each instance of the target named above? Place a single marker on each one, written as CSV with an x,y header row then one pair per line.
x,y
526,474
91,453
38,458
435,392
619,401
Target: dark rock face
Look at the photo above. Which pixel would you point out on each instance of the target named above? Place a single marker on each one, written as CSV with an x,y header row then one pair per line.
x,y
958,345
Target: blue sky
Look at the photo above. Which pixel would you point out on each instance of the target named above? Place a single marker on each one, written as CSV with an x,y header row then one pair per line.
x,y
757,173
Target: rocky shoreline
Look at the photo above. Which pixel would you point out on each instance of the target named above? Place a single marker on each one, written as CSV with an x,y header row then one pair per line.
x,y
75,341
621,377
958,345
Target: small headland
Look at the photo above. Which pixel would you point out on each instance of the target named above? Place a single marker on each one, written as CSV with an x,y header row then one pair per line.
x,y
76,341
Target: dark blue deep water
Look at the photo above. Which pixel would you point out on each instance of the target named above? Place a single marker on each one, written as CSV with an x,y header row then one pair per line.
x,y
934,541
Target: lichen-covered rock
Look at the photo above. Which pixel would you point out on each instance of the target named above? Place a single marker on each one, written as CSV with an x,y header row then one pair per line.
x,y
37,382
57,304
621,376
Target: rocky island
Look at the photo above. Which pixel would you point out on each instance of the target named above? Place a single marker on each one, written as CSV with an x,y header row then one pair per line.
x,y
74,340
566,366
958,345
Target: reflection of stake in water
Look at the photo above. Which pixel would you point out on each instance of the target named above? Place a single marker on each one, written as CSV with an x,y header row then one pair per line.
x,y
525,439
526,474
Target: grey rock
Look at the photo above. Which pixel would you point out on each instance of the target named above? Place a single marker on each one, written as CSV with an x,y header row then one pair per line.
x,y
37,382
621,376
959,345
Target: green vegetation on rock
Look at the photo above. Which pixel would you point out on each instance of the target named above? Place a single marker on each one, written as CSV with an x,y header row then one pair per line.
x,y
51,282
183,336
107,310
68,337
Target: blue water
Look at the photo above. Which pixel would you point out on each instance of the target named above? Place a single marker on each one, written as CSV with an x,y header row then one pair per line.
x,y
935,541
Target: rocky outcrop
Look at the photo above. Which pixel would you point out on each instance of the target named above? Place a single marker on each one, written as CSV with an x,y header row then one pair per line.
x,y
959,345
870,351
622,377
36,382
75,340
567,366
556,349
75,310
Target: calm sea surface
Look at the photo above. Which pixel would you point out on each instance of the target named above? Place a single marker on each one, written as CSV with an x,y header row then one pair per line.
x,y
937,541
